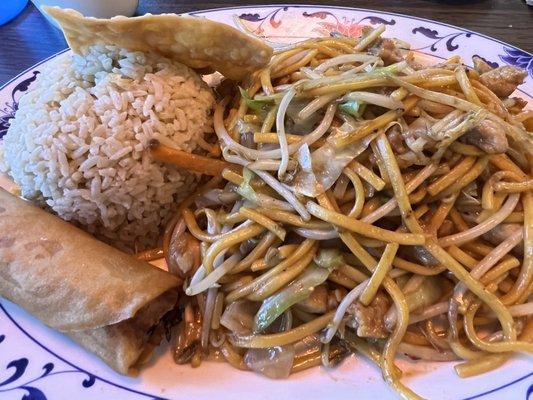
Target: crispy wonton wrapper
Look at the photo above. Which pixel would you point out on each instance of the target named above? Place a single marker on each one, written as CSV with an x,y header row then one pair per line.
x,y
107,301
195,42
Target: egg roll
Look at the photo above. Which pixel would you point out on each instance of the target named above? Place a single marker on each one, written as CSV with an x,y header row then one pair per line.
x,y
109,302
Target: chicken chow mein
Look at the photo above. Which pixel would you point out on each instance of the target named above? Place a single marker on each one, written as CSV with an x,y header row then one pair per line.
x,y
360,201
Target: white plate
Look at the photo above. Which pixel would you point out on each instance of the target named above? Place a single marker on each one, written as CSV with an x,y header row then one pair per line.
x,y
37,363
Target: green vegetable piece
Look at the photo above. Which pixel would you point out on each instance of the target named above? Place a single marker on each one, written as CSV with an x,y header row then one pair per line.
x,y
245,188
353,107
251,103
329,259
296,291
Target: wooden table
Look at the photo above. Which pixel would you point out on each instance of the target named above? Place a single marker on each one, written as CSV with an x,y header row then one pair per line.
x,y
30,38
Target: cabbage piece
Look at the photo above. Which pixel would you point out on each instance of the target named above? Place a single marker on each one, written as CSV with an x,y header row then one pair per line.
x,y
296,291
273,362
327,163
297,125
245,188
238,316
181,252
306,177
427,294
329,258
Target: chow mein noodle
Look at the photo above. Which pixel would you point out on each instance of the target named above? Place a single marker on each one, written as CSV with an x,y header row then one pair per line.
x,y
360,202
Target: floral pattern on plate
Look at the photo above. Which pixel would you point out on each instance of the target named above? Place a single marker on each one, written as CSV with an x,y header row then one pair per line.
x,y
37,363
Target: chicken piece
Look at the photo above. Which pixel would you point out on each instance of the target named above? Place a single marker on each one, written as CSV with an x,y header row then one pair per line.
x,y
514,104
434,108
446,228
386,49
480,65
528,124
501,232
488,136
394,134
369,320
317,302
503,81
419,128
335,297
518,102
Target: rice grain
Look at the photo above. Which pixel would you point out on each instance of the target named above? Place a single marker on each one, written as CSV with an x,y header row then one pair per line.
x,y
78,142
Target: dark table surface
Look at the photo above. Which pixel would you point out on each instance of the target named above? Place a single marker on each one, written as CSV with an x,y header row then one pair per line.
x,y
30,38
